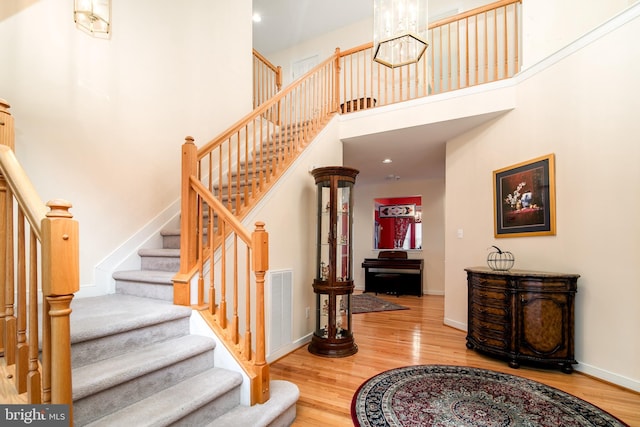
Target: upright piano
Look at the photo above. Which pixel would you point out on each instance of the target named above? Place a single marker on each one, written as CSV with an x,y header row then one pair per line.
x,y
392,272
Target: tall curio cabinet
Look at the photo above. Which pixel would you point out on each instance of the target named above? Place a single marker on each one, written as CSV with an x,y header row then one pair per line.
x,y
333,283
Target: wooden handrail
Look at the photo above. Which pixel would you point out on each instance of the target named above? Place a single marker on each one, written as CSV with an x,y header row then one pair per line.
x,y
22,189
472,12
54,234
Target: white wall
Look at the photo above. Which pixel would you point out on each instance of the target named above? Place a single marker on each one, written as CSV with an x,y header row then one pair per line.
x,y
100,122
584,110
549,25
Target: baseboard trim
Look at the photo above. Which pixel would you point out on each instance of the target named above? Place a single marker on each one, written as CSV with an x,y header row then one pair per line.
x,y
455,324
607,376
291,347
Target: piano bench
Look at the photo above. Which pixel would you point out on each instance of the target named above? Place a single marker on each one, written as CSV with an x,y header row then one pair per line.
x,y
388,283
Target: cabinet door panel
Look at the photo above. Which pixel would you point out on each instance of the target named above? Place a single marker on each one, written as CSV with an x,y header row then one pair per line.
x,y
543,329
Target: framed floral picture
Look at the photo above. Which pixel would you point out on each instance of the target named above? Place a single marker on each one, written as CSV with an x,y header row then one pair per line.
x,y
524,198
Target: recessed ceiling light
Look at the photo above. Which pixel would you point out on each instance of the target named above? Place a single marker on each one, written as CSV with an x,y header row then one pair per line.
x,y
387,161
256,17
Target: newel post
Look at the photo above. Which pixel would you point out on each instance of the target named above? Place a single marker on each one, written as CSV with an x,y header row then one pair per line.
x,y
188,224
60,281
260,246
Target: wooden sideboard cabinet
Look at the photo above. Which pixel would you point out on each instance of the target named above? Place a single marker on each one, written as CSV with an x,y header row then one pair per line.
x,y
523,316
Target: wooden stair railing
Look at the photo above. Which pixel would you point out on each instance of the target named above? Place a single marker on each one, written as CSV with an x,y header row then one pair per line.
x,y
26,228
227,176
220,181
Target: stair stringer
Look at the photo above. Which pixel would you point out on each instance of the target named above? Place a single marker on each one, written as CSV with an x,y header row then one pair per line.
x,y
222,357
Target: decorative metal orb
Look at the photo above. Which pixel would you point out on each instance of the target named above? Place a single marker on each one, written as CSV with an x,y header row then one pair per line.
x,y
500,260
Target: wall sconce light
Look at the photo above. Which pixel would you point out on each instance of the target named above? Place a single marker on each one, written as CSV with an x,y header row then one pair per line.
x,y
93,16
399,31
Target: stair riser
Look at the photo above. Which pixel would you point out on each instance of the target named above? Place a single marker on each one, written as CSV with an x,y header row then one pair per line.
x,y
145,290
171,241
107,401
160,263
92,351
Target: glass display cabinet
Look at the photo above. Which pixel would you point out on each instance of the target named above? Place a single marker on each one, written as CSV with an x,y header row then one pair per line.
x,y
333,283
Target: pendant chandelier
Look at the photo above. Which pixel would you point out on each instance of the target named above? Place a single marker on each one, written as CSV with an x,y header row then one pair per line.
x,y
93,16
399,31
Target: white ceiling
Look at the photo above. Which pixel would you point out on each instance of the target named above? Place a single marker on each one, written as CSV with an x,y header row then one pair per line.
x,y
286,23
417,152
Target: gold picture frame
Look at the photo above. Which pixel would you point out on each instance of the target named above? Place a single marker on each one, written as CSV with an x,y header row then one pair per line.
x,y
524,198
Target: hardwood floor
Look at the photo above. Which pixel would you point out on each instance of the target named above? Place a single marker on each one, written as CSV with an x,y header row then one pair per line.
x,y
393,339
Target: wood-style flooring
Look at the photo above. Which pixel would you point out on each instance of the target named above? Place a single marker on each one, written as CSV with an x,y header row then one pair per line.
x,y
393,339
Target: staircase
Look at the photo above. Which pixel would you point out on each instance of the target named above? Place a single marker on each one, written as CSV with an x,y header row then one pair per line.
x,y
135,362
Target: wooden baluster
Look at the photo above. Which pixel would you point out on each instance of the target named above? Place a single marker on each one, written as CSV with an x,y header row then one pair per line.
x,y
235,321
22,347
245,176
60,281
200,244
212,264
260,245
222,313
9,318
46,351
34,382
229,171
247,334
3,259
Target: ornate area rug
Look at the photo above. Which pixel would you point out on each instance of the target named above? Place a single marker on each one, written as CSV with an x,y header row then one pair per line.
x,y
439,395
365,303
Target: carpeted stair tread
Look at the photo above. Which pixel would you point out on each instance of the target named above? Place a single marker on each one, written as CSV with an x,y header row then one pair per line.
x,y
175,231
146,276
159,252
279,410
170,232
115,313
178,401
102,375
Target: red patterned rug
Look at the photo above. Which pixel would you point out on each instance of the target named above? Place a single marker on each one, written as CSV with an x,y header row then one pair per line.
x,y
448,396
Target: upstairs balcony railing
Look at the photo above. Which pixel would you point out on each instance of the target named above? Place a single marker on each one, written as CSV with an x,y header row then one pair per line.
x,y
227,176
472,48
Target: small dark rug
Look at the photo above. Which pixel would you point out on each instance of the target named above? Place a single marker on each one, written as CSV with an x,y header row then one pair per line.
x,y
439,395
365,303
